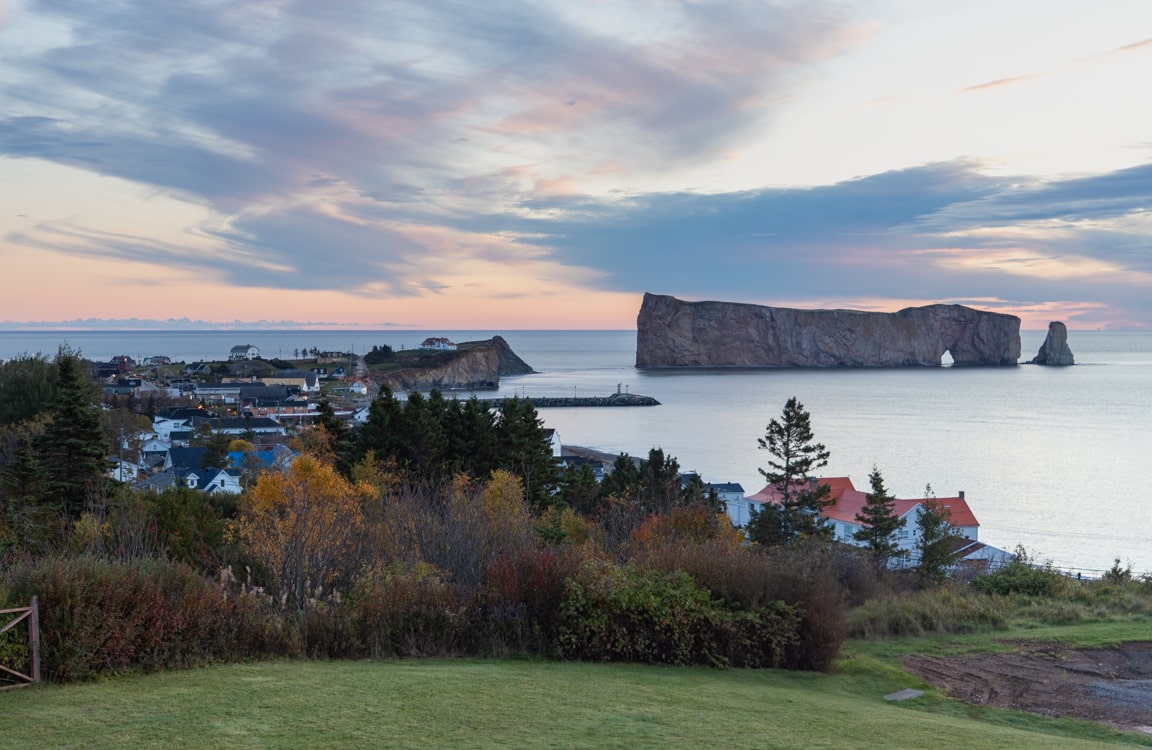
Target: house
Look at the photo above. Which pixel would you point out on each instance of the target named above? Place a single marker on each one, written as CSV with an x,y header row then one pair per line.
x,y
125,471
240,426
157,360
553,439
358,387
732,495
243,351
306,381
847,502
228,393
437,344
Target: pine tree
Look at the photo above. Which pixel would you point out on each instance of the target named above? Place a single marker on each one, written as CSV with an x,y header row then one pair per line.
x,y
73,449
524,451
879,521
935,541
381,433
796,456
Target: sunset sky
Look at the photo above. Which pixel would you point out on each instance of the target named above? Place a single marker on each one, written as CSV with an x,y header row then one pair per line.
x,y
540,164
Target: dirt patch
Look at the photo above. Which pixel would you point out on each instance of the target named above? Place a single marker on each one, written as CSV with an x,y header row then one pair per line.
x,y
1109,685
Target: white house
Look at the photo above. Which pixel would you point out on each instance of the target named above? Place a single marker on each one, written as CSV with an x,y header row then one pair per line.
x,y
244,351
848,502
732,495
553,438
125,471
437,343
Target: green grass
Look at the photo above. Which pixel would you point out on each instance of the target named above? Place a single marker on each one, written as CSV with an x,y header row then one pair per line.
x,y
501,703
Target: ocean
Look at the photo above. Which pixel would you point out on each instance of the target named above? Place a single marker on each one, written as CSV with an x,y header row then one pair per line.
x,y
1047,457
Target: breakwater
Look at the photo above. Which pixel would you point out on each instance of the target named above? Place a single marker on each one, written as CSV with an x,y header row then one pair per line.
x,y
616,399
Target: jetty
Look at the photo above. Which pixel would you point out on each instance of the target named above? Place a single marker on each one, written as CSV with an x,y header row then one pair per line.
x,y
615,399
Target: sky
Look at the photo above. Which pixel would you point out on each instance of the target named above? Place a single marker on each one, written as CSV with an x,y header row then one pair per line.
x,y
541,164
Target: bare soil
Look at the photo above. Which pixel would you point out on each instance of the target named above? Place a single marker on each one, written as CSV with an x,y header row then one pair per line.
x,y
1108,685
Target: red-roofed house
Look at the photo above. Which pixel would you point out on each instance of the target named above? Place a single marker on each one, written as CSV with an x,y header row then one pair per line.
x,y
438,343
848,501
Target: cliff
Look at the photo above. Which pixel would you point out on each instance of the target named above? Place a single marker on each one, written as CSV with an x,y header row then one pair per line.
x,y
673,333
1054,352
474,365
507,361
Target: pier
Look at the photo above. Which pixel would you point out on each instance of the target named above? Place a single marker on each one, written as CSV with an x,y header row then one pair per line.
x,y
616,399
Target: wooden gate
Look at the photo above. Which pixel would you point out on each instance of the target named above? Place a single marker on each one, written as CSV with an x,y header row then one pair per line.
x,y
30,613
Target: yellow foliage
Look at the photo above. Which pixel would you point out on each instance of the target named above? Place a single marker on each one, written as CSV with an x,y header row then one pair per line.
x,y
241,446
305,527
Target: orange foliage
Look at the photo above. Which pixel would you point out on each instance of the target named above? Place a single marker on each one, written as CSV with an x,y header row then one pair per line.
x,y
694,523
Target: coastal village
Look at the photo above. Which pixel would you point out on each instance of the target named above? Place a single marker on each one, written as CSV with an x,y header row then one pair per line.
x,y
265,405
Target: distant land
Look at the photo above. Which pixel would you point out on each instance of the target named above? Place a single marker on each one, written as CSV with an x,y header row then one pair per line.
x,y
187,324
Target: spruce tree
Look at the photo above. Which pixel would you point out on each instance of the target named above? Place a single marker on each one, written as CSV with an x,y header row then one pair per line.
x,y
523,450
879,521
935,541
795,457
381,433
73,449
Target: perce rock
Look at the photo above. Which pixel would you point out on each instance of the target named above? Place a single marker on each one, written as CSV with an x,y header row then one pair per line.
x,y
1054,352
674,333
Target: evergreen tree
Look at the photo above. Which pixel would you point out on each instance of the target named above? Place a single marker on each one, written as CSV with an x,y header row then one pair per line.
x,y
935,541
578,488
381,432
423,435
475,438
795,457
216,451
879,521
660,483
73,449
338,436
523,450
27,387
623,482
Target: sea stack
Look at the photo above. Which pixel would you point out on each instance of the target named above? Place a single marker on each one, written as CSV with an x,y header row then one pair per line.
x,y
1055,351
674,333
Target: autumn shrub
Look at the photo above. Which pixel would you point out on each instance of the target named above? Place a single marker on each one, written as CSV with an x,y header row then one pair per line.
x,y
630,613
304,527
805,578
409,610
99,616
688,524
523,594
456,527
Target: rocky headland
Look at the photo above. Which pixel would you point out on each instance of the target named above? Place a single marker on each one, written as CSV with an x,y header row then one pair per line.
x,y
473,365
1054,352
674,333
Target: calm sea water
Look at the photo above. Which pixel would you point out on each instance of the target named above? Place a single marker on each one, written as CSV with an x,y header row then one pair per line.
x,y
1049,458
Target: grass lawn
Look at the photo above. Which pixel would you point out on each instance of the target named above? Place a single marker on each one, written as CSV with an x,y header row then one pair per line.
x,y
510,703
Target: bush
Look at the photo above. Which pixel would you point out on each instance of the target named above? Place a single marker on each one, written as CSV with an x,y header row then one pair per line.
x,y
806,578
1021,576
628,613
99,616
523,595
632,613
407,610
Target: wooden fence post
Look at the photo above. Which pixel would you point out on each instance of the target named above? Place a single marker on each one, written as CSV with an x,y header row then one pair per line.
x,y
34,638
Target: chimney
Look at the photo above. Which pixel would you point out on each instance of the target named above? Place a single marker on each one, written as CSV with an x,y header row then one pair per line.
x,y
961,494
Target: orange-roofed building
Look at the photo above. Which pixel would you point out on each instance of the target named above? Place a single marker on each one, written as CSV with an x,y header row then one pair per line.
x,y
847,502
